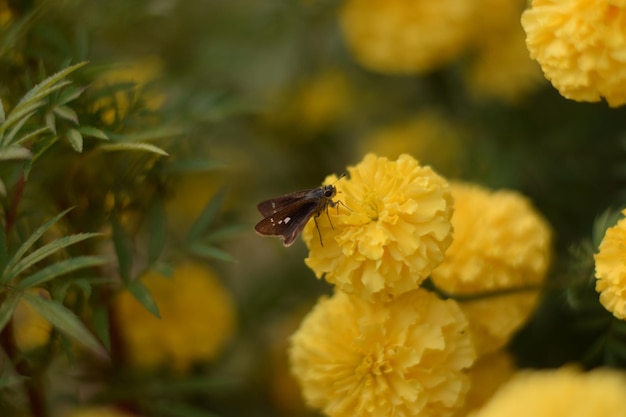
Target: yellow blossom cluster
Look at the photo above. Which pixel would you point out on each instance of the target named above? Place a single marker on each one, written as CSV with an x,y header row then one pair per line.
x,y
405,36
564,392
500,242
580,47
611,269
390,230
403,358
187,301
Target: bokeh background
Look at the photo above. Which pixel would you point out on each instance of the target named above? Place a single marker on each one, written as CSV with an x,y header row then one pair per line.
x,y
251,100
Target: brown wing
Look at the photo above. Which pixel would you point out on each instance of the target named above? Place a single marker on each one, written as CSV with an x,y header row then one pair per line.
x,y
274,205
288,222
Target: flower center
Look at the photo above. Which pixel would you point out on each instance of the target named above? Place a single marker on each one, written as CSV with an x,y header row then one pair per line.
x,y
372,206
371,367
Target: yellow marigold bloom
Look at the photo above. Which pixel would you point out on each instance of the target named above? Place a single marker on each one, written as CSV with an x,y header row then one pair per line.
x,y
394,229
564,392
502,68
428,136
406,36
30,329
500,242
486,376
611,270
580,47
403,358
197,319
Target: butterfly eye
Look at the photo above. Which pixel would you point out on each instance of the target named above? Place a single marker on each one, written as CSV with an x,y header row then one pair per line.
x,y
328,192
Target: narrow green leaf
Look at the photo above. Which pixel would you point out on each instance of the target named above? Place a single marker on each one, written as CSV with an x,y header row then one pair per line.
x,y
39,148
142,147
60,268
45,251
123,249
225,233
66,113
48,91
46,84
141,293
30,135
76,139
210,252
51,122
2,114
209,213
4,250
14,153
148,135
8,139
30,242
91,131
70,94
65,320
158,230
7,307
20,115
3,190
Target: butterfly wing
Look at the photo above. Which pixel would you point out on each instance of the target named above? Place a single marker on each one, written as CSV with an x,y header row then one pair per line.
x,y
275,205
289,221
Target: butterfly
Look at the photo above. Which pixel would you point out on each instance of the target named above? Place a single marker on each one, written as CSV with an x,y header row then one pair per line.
x,y
286,216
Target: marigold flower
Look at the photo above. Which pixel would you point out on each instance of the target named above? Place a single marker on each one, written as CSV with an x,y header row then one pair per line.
x,y
564,392
611,270
394,229
580,47
487,375
197,319
406,36
402,358
500,242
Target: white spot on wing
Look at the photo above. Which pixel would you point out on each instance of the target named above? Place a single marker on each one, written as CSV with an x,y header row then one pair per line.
x,y
287,220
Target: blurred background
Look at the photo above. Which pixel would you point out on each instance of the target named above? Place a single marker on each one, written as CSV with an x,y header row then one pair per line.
x,y
252,100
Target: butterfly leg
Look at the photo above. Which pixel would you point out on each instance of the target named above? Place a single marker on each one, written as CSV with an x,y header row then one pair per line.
x,y
318,229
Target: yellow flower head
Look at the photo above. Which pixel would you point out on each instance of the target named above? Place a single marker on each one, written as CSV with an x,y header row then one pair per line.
x,y
394,229
197,319
611,269
31,330
564,392
500,242
406,36
403,358
580,47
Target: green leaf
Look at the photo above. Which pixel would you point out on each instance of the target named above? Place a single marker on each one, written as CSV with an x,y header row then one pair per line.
x,y
148,135
2,114
19,116
141,293
209,213
3,190
8,139
14,153
31,241
76,139
38,150
66,113
45,251
31,135
60,268
70,94
123,249
92,132
142,147
224,233
158,230
210,252
7,307
64,320
44,87
4,250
